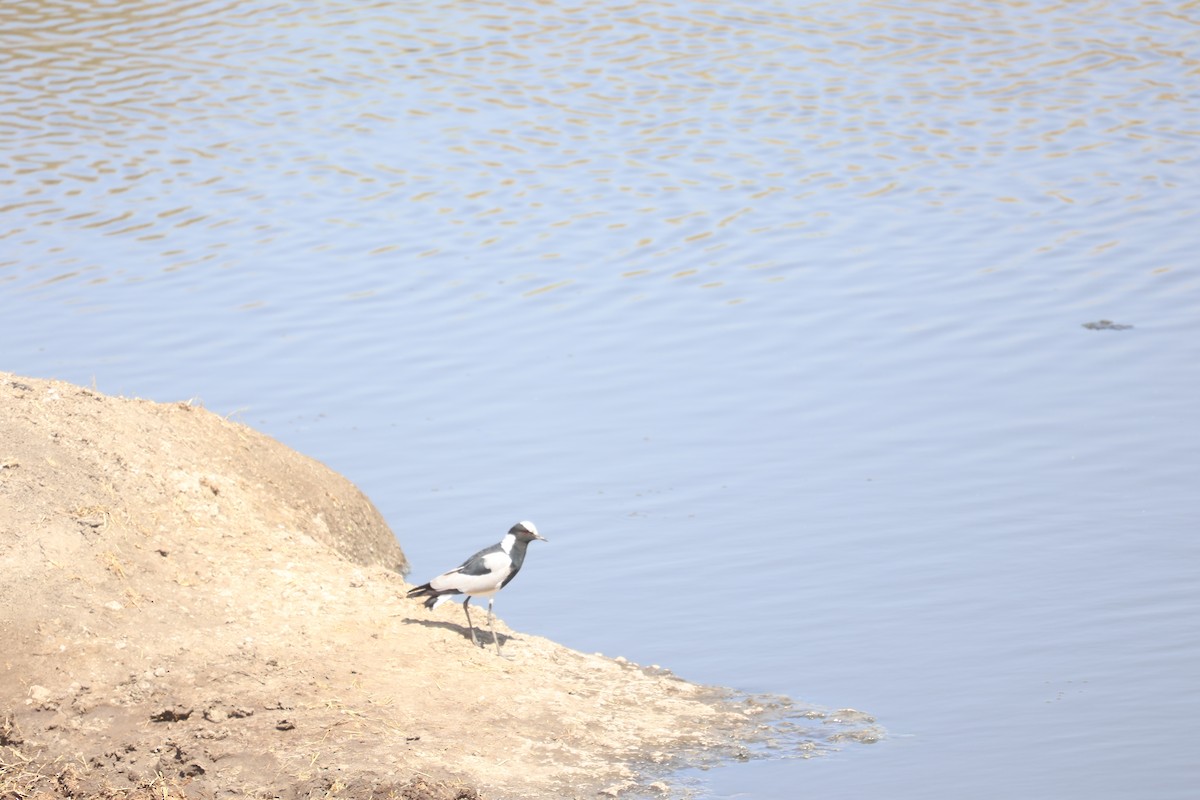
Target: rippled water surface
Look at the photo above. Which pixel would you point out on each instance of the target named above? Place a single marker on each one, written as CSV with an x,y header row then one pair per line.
x,y
771,315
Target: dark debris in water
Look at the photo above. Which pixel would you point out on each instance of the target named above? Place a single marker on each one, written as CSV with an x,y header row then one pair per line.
x,y
1106,325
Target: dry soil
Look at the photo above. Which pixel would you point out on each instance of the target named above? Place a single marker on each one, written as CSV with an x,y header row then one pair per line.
x,y
190,608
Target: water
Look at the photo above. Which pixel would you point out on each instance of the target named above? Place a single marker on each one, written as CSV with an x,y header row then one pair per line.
x,y
770,316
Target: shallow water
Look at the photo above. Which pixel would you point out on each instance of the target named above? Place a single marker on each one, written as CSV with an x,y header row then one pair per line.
x,y
770,315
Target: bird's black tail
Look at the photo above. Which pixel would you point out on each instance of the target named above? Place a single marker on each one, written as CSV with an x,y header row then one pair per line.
x,y
427,591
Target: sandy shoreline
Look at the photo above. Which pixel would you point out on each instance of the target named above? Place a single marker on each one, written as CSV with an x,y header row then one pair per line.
x,y
193,608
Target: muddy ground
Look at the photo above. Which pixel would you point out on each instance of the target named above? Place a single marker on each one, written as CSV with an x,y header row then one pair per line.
x,y
189,608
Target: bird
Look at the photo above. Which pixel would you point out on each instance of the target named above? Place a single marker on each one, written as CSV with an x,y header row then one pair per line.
x,y
483,574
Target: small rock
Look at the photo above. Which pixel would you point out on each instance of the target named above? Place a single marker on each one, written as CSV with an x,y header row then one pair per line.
x,y
39,694
284,725
172,714
10,734
850,715
113,605
616,789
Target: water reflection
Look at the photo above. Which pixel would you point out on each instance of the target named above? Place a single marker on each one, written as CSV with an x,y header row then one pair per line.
x,y
217,134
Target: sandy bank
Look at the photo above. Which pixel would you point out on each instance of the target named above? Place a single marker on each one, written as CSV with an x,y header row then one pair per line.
x,y
191,607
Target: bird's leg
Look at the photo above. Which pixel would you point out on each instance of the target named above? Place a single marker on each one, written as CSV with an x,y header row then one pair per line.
x,y
492,625
474,641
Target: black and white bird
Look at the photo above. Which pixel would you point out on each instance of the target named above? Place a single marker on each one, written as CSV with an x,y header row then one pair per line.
x,y
483,574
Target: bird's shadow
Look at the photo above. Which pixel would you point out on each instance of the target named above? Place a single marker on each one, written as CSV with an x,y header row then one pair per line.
x,y
485,636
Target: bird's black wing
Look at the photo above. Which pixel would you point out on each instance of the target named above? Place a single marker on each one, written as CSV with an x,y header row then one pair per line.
x,y
477,564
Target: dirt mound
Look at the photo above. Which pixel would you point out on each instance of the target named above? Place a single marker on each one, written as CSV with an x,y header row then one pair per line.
x,y
191,608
